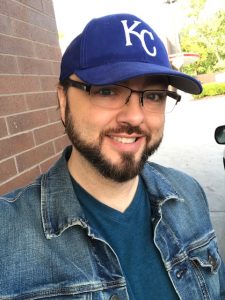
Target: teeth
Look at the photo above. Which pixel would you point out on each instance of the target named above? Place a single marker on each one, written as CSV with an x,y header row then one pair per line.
x,y
124,140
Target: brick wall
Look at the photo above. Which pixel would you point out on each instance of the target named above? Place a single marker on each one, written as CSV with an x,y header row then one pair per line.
x,y
31,134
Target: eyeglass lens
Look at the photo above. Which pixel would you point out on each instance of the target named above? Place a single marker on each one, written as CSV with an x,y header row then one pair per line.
x,y
116,96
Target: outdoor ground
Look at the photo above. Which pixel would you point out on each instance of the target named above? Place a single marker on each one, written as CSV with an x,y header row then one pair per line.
x,y
189,145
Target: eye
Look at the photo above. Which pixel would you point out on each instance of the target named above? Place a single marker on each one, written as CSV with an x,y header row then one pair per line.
x,y
155,96
104,91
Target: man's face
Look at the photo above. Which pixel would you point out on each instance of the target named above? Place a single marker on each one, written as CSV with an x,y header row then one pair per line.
x,y
117,142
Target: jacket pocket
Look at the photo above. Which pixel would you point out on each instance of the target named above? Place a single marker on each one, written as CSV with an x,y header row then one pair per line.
x,y
207,257
76,291
206,263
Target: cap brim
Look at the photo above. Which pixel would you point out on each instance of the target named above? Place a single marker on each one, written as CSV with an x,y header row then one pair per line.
x,y
115,72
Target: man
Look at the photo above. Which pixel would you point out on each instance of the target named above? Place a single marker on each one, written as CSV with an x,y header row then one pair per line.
x,y
103,223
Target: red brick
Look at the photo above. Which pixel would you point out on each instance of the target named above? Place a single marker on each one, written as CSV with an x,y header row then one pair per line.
x,y
34,66
20,180
44,36
43,21
19,84
47,52
27,121
7,169
61,143
41,100
34,33
15,144
18,11
48,133
29,15
4,7
56,68
3,128
12,104
5,25
45,166
53,114
49,83
21,29
8,64
34,156
16,46
48,8
37,4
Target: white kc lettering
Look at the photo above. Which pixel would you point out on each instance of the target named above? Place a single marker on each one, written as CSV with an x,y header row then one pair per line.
x,y
130,30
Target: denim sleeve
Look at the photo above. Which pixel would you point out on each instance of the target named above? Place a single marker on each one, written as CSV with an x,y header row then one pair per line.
x,y
222,280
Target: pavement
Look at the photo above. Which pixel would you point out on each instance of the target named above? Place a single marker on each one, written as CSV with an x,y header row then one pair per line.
x,y
189,146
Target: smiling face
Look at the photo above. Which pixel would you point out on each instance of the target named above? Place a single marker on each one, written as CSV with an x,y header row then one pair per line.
x,y
117,142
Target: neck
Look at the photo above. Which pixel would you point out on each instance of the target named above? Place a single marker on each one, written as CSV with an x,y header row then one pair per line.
x,y
114,194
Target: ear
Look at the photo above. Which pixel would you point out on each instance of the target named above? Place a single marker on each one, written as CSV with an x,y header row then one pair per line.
x,y
62,102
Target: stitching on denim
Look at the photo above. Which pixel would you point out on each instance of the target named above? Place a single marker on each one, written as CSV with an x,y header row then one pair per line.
x,y
69,291
200,277
20,193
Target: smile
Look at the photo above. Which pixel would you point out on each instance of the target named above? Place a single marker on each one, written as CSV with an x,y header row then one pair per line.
x,y
124,140
126,143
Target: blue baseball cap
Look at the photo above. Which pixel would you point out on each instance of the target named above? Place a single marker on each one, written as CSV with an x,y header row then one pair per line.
x,y
119,47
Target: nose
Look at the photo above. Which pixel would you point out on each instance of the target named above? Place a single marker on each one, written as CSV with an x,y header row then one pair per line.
x,y
132,112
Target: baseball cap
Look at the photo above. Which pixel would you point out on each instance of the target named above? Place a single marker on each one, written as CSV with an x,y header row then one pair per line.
x,y
119,47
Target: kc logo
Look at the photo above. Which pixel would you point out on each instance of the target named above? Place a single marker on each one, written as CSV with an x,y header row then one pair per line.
x,y
130,30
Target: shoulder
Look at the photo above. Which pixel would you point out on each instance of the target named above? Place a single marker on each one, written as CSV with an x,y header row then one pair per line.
x,y
18,204
173,175
184,184
19,210
28,199
22,192
167,171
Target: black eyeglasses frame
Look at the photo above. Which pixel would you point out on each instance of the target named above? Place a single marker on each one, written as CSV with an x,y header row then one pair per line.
x,y
87,88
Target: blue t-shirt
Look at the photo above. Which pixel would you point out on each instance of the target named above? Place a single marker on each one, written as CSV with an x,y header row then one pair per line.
x,y
130,235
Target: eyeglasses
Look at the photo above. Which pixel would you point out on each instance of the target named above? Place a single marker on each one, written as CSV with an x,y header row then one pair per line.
x,y
116,96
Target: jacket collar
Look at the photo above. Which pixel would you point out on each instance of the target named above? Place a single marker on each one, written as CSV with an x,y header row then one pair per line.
x,y
61,209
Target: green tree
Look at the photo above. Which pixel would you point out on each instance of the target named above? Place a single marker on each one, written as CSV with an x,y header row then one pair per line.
x,y
196,8
205,37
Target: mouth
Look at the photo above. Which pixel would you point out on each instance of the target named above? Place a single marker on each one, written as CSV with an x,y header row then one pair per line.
x,y
124,140
127,143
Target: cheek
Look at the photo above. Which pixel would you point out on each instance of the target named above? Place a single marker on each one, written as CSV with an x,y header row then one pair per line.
x,y
100,118
93,121
155,122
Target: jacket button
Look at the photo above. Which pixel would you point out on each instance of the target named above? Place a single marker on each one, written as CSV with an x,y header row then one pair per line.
x,y
212,262
181,273
114,297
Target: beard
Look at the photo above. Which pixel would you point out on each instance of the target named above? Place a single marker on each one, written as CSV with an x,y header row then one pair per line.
x,y
127,169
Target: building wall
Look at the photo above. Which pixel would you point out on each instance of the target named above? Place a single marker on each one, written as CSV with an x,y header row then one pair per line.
x,y
213,77
31,134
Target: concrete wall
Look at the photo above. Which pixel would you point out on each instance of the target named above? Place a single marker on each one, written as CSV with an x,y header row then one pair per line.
x,y
31,134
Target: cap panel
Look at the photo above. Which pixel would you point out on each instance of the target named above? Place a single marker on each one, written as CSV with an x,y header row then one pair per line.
x,y
70,59
120,38
120,47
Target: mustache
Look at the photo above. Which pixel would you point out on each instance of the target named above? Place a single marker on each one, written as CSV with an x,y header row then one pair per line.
x,y
129,129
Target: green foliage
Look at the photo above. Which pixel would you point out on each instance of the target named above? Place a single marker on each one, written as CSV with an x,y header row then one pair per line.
x,y
211,89
196,7
205,37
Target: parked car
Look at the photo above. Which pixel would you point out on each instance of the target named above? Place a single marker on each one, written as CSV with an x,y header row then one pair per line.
x,y
220,138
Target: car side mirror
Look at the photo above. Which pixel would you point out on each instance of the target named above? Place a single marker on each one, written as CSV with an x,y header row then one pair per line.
x,y
220,134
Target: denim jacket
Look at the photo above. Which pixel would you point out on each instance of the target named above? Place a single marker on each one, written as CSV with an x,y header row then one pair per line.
x,y
49,251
